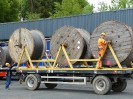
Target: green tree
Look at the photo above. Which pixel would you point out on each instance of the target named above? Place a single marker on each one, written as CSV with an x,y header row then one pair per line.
x,y
22,10
4,7
32,16
71,7
27,10
102,7
37,8
82,3
44,7
131,2
88,8
13,13
9,10
115,5
119,4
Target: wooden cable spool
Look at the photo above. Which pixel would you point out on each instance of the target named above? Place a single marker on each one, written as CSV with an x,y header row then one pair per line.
x,y
121,42
31,40
86,35
73,42
130,57
4,56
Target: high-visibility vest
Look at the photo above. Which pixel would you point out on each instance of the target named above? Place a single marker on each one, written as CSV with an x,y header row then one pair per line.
x,y
101,43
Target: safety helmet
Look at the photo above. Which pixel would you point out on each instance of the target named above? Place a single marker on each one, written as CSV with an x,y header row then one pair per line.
x,y
6,64
103,33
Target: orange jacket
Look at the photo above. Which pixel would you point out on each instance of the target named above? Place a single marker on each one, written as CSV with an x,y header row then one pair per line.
x,y
101,43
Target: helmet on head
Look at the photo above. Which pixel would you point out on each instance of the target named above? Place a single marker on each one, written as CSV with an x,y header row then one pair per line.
x,y
6,64
103,33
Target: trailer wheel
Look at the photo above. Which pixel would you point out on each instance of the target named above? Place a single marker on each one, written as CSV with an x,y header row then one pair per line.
x,y
33,81
132,76
119,86
50,86
102,85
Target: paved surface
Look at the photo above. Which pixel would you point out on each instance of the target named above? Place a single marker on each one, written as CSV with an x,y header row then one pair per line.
x,y
60,92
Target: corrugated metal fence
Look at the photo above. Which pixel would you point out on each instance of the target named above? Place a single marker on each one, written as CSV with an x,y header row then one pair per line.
x,y
86,21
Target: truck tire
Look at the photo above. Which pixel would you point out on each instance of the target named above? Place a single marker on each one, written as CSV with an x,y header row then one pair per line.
x,y
102,85
132,76
50,86
33,81
119,86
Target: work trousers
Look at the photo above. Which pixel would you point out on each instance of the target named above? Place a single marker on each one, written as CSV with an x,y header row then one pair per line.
x,y
8,81
101,53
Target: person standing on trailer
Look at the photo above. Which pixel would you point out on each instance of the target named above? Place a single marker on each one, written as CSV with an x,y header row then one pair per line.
x,y
101,48
8,75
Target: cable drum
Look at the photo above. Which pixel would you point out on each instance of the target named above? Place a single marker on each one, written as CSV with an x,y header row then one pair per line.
x,y
86,35
23,37
43,43
75,45
4,56
130,57
121,42
38,46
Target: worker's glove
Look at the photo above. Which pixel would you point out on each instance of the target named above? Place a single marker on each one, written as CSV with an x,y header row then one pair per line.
x,y
109,41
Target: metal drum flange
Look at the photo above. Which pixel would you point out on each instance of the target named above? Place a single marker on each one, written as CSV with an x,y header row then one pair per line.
x,y
122,41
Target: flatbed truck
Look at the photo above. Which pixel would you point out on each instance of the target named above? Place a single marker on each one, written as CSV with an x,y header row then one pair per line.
x,y
103,80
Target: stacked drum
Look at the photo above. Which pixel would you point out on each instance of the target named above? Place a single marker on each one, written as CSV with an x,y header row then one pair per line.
x,y
4,56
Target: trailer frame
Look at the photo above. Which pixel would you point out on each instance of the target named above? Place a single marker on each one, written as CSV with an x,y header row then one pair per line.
x,y
51,73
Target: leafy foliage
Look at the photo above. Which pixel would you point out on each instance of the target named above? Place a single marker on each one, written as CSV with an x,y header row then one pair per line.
x,y
119,4
9,10
115,5
71,7
34,9
88,8
103,7
13,10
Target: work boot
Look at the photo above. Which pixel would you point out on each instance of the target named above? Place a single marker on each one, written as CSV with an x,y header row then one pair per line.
x,y
100,67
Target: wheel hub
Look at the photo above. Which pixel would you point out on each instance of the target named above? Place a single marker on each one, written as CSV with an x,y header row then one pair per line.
x,y
30,82
101,85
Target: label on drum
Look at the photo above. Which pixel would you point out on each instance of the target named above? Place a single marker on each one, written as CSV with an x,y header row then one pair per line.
x,y
78,42
78,47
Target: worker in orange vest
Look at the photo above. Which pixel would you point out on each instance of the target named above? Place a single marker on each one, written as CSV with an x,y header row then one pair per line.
x,y
101,48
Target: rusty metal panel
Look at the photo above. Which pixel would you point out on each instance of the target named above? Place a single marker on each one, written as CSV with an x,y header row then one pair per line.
x,y
85,21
